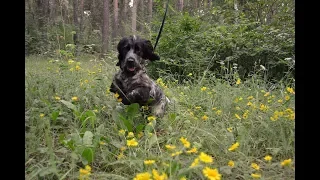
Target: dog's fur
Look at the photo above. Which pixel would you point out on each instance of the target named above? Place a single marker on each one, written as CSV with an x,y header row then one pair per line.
x,y
131,82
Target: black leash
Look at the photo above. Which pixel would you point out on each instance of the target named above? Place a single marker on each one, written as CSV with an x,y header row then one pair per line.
x,y
160,30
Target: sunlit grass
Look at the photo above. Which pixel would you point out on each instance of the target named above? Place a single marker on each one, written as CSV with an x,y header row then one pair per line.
x,y
210,128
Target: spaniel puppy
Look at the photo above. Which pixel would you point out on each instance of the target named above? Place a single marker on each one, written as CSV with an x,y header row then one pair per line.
x,y
131,82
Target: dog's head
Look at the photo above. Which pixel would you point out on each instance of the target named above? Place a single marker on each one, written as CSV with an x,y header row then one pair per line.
x,y
133,51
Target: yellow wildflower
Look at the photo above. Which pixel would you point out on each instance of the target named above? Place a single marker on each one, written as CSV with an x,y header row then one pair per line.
x,y
132,142
218,112
238,81
231,163
287,98
183,178
211,174
140,134
204,117
263,107
198,107
102,143
234,146
256,175
71,69
130,135
78,68
286,162
249,103
149,162
151,118
280,101
267,158
214,108
266,94
116,95
170,147
185,142
176,153
237,116
193,150
250,98
203,88
190,74
123,148
245,114
205,158
156,175
57,98
88,168
41,115
195,162
143,176
86,81
238,108
83,172
75,98
229,129
255,166
290,90
122,132
240,99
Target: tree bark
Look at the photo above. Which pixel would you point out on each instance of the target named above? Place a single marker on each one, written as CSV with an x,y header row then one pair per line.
x,y
115,18
134,17
105,26
81,21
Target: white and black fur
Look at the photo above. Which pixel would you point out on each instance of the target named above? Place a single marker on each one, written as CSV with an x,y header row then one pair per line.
x,y
131,82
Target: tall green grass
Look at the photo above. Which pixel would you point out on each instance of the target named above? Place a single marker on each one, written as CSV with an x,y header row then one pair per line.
x,y
64,133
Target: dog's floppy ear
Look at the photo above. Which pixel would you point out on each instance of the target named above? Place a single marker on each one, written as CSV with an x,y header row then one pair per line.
x,y
120,46
148,51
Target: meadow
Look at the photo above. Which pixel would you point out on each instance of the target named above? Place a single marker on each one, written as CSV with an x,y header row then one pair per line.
x,y
213,129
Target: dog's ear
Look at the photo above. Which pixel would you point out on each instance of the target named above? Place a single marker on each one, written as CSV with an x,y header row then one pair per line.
x,y
148,51
122,43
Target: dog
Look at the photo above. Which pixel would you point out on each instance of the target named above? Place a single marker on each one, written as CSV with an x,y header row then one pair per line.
x,y
131,82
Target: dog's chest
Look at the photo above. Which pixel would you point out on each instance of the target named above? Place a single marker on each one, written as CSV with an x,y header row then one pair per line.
x,y
140,79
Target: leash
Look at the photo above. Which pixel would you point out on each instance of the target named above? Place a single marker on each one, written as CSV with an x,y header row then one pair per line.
x,y
161,27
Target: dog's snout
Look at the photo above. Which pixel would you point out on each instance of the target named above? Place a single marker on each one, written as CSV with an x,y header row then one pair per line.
x,y
130,59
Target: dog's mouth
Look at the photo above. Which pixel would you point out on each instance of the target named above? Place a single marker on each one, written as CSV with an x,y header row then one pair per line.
x,y
131,69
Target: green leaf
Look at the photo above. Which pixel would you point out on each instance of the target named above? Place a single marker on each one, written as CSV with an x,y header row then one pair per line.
x,y
47,171
126,122
87,138
69,105
132,110
139,128
152,140
54,115
87,154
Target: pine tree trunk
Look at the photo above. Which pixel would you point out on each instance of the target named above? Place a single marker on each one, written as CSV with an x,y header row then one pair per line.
x,y
134,17
105,26
81,22
76,25
115,19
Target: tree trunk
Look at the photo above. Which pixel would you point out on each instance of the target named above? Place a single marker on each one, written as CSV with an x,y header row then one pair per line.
x,y
105,26
81,21
235,4
150,11
115,18
180,5
76,25
53,10
134,17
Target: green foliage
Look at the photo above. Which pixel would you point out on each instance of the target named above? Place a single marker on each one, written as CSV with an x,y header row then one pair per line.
x,y
192,44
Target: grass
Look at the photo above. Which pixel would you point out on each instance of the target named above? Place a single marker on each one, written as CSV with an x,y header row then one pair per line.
x,y
65,135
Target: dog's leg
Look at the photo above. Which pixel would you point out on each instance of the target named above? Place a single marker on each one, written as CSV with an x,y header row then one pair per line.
x,y
139,95
158,109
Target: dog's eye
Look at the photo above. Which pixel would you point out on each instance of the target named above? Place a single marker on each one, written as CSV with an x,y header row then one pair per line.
x,y
126,47
137,48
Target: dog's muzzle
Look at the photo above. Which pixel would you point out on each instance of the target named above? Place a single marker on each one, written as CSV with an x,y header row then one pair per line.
x,y
130,64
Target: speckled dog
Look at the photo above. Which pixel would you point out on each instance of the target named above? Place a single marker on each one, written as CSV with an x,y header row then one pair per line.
x,y
131,82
